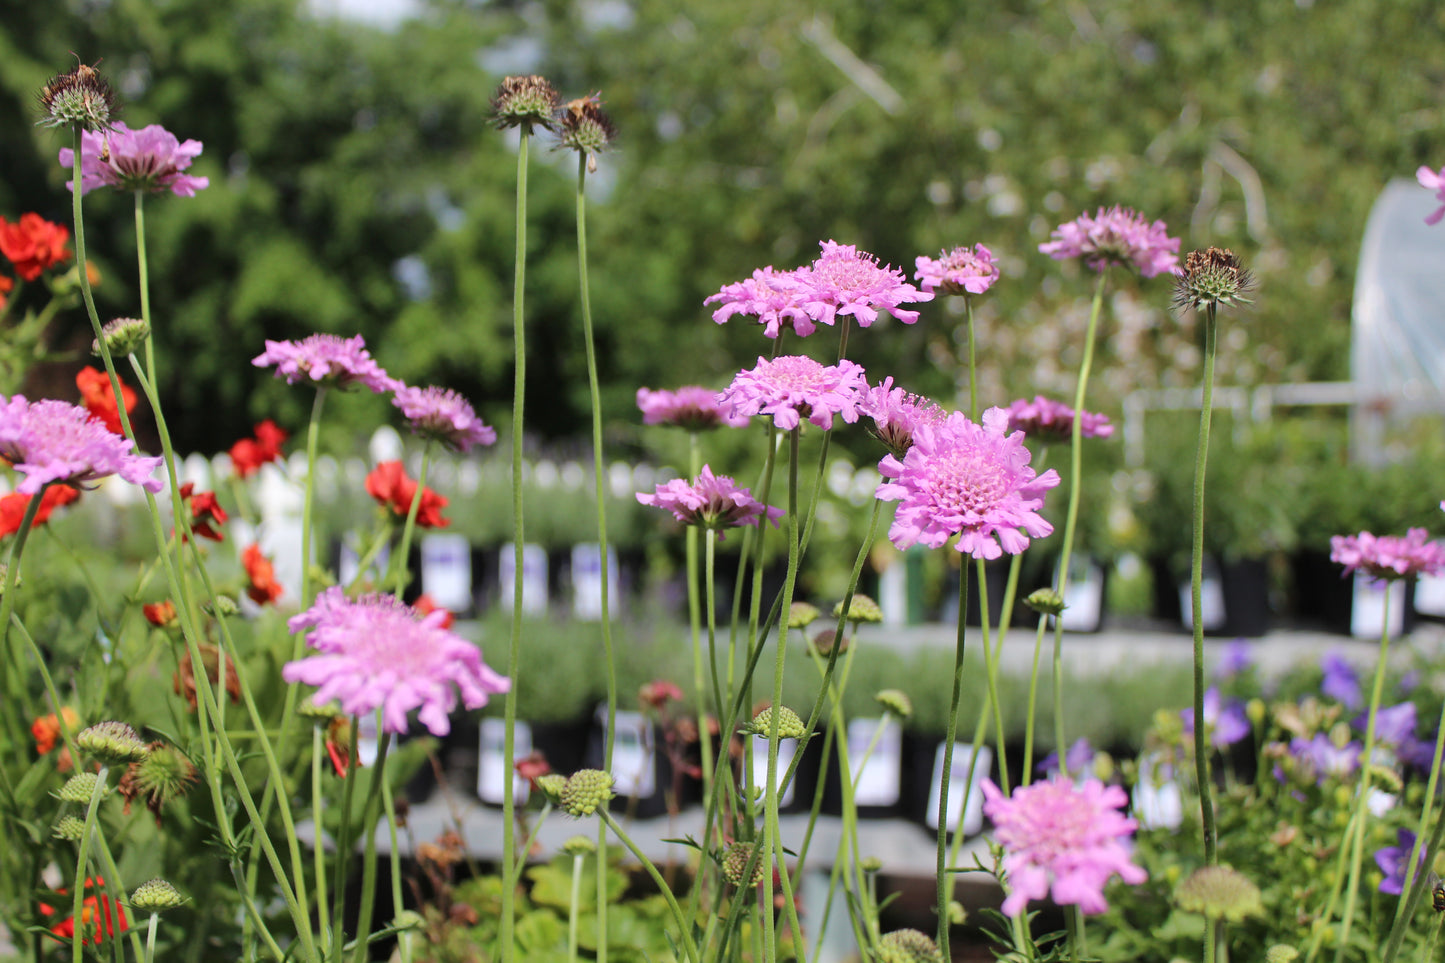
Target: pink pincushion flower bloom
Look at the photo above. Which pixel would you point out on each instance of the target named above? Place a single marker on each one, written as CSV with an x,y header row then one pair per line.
x,y
967,479
1061,838
55,441
847,281
896,414
377,653
1433,181
1389,556
1116,236
443,414
769,295
694,407
795,386
150,159
715,502
327,359
963,270
1049,420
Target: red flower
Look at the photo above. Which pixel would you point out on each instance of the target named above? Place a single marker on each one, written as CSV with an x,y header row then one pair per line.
x,y
338,745
389,485
264,587
249,454
532,767
204,510
12,507
33,244
46,729
98,398
5,285
97,919
160,614
426,606
658,693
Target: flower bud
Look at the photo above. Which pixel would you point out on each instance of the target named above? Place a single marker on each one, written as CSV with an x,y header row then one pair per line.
x,y
112,742
735,861
551,786
789,725
908,946
1219,892
860,609
801,615
69,828
155,896
79,788
586,789
122,336
1045,601
895,701
579,846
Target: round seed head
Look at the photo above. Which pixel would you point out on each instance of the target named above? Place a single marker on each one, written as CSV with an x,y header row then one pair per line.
x,y
122,336
1045,601
735,862
861,609
895,701
1219,892
586,789
825,639
112,741
789,725
155,896
69,828
525,102
78,788
584,127
1281,953
908,946
801,615
1212,277
80,98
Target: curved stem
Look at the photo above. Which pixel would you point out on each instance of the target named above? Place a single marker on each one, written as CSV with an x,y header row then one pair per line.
x,y
1196,596
684,931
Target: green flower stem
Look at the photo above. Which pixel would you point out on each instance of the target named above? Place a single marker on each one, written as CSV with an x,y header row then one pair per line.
x,y
343,847
369,819
519,385
944,881
398,561
1071,521
77,896
1416,885
1196,595
318,852
572,907
1027,776
308,535
151,927
531,840
388,806
717,785
383,536
990,668
684,930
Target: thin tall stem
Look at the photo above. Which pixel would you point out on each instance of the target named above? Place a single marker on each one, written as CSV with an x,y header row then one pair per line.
x,y
944,878
1196,596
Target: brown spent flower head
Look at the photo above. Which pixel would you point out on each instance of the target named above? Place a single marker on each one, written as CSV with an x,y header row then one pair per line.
x,y
525,102
1212,277
164,774
584,127
80,98
825,638
908,946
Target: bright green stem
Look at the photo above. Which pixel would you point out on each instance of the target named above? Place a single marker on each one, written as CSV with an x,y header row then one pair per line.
x,y
718,785
343,852
318,853
683,929
368,862
514,657
151,928
1027,776
944,880
77,940
1415,885
972,362
397,903
313,433
399,560
991,672
572,907
1196,597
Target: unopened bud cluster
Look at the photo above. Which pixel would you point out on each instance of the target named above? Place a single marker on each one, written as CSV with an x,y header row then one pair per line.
x,y
789,725
586,789
908,946
735,863
122,336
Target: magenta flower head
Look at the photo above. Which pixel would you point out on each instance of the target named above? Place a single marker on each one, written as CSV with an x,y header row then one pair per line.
x,y
1116,236
377,653
444,415
771,296
1061,838
963,478
694,407
1389,556
713,502
1433,181
963,270
847,281
55,441
794,387
1046,420
896,415
328,360
150,159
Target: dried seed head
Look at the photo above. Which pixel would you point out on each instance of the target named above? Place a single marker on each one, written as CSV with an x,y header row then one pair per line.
x,y
525,102
80,98
861,609
1212,277
584,127
586,789
164,774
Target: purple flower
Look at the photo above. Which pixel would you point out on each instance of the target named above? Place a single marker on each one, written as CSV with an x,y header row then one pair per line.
x,y
149,159
1238,657
896,414
378,653
1433,181
1062,839
328,360
847,281
694,408
1079,757
1046,420
713,502
1324,758
55,441
771,296
1226,724
443,414
794,387
1341,682
1394,726
1389,556
963,270
1116,236
962,478
1393,861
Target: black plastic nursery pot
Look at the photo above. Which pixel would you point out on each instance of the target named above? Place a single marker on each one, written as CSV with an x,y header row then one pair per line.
x,y
1325,596
1236,596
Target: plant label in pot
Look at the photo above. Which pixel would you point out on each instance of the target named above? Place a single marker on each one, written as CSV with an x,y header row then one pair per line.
x,y
493,775
876,779
534,578
1367,609
1211,593
965,796
1158,803
787,748
587,581
446,571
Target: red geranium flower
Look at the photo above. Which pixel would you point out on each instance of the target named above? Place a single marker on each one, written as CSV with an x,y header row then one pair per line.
x,y
532,767
425,605
249,454
98,398
5,285
33,244
160,614
389,485
338,745
264,587
97,917
46,729
12,507
204,510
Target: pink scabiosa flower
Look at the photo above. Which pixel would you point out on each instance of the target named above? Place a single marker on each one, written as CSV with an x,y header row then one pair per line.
x,y
963,270
377,653
847,281
769,295
714,501
694,407
1117,235
1044,419
150,159
963,478
1062,839
1433,181
896,414
328,360
1389,556
54,441
794,387
443,415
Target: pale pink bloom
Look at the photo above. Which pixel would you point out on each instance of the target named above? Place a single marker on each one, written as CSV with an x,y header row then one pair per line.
x,y
327,359
1389,556
963,270
377,653
443,414
896,414
967,479
1063,839
150,159
1117,235
1048,420
1433,181
714,501
55,441
694,407
847,281
794,387
769,295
